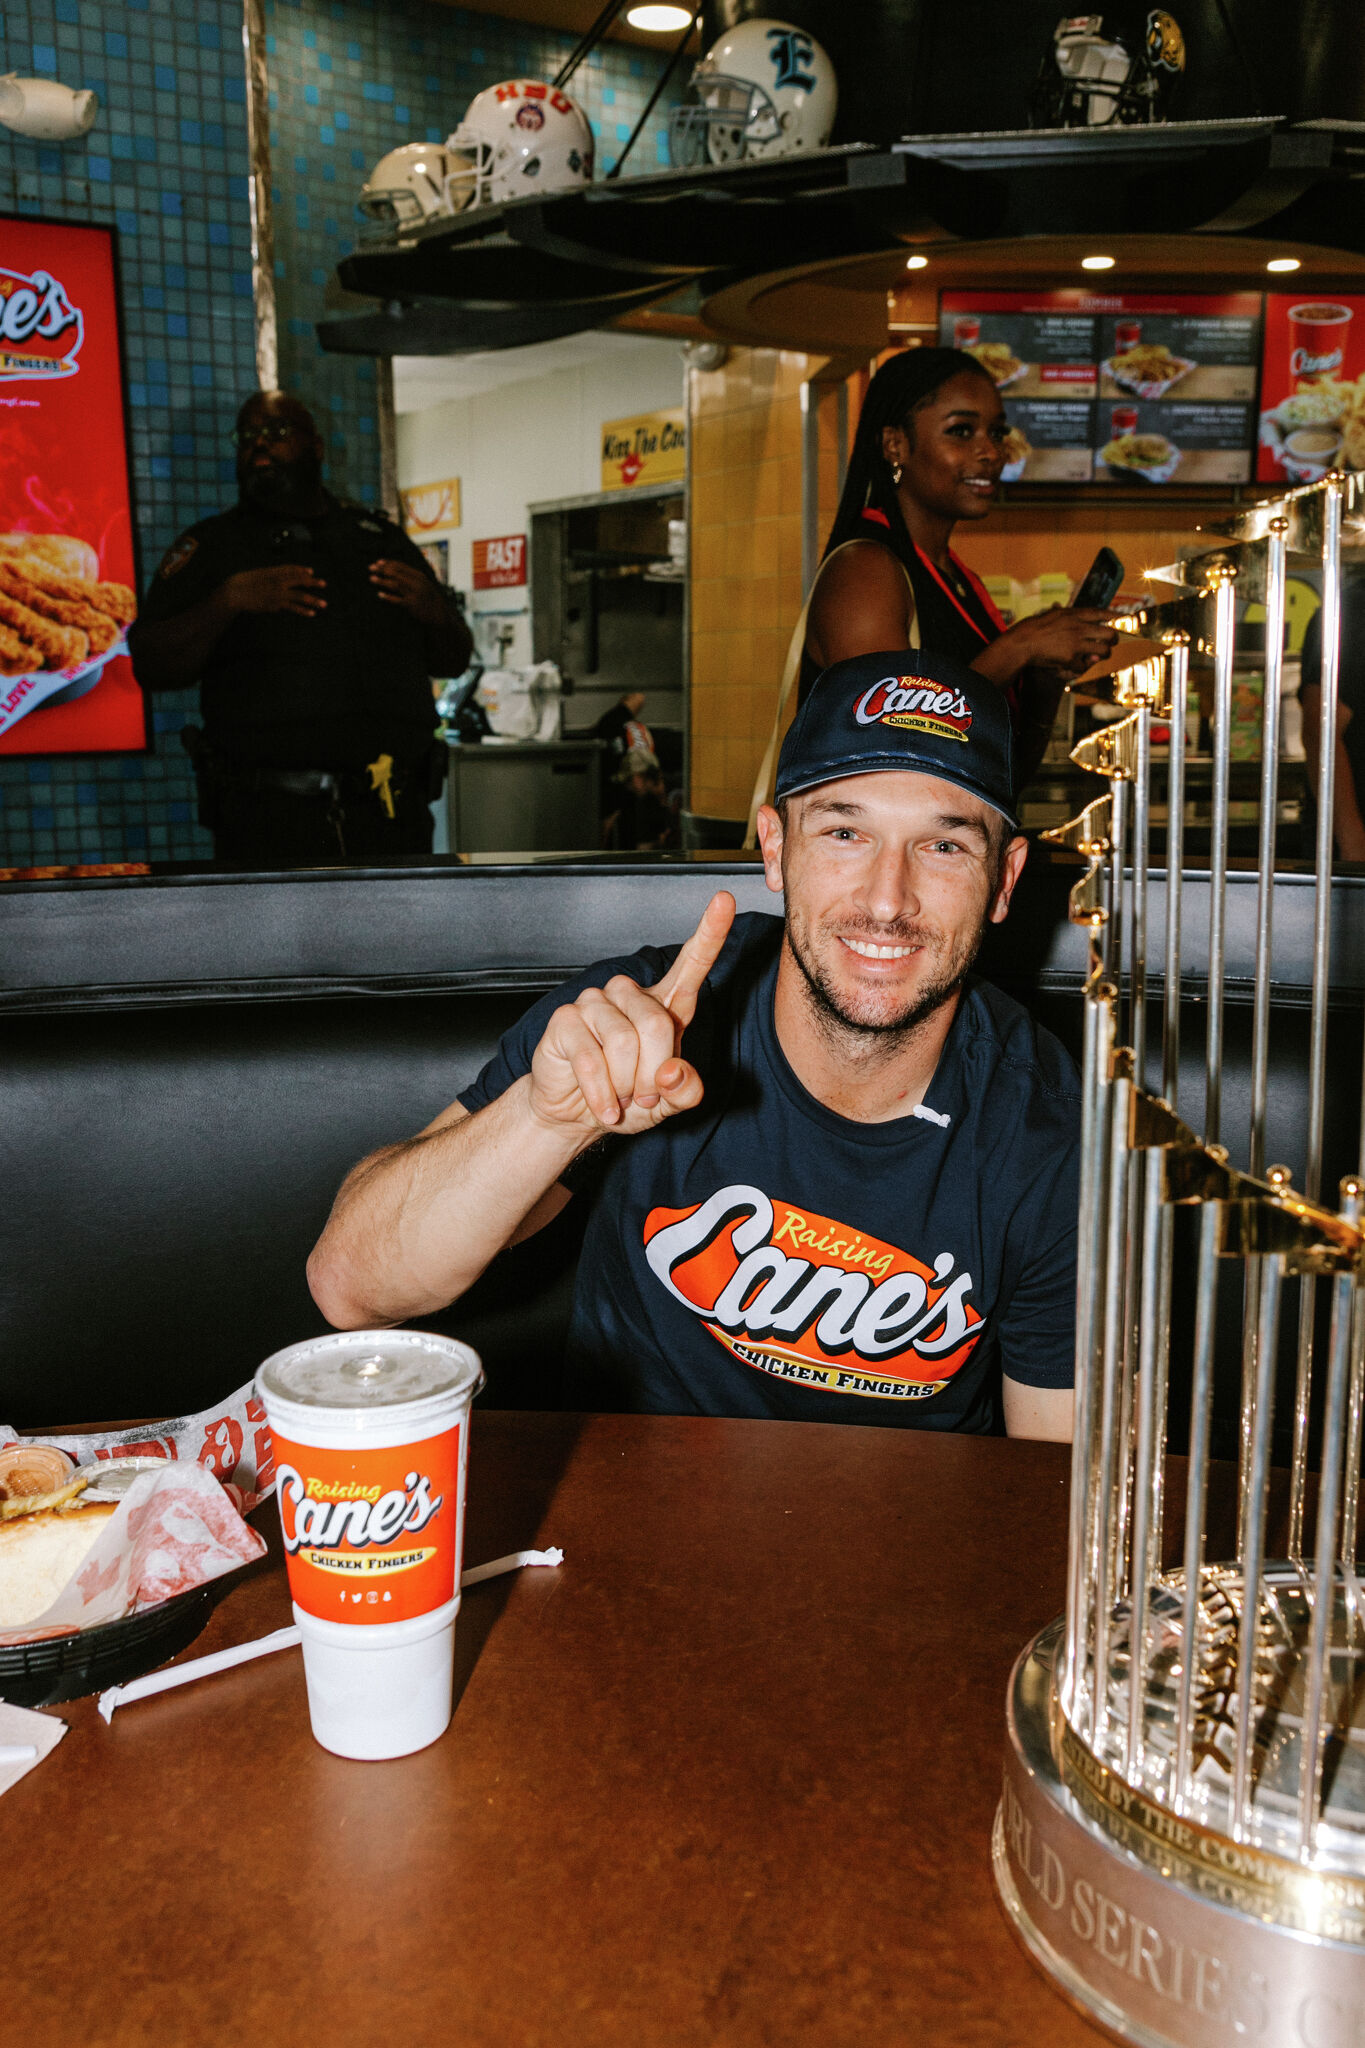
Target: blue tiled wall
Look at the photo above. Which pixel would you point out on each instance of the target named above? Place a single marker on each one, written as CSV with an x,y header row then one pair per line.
x,y
167,162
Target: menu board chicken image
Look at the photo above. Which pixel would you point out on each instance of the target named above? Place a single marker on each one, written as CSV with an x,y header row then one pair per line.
x,y
1177,388
1312,388
67,564
1117,388
1038,349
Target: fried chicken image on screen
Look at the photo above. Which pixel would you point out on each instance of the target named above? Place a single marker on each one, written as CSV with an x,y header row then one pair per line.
x,y
17,658
100,628
59,646
53,606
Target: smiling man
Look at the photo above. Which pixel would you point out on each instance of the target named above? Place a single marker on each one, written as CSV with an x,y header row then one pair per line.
x,y
831,1176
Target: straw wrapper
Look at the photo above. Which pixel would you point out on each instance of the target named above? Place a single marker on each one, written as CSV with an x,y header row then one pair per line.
x,y
173,1530
285,1639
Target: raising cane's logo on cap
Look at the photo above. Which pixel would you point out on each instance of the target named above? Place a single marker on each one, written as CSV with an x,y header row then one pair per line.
x,y
40,330
915,704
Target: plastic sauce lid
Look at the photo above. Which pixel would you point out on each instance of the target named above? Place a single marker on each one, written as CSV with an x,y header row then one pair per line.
x,y
112,1477
370,1371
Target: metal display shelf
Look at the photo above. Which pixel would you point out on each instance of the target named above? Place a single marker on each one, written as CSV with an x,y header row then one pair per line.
x,y
533,269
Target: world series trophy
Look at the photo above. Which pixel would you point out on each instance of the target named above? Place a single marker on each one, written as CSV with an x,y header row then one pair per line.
x,y
1181,1838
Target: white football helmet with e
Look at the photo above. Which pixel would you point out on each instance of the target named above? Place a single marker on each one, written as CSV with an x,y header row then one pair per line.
x,y
765,89
520,137
406,187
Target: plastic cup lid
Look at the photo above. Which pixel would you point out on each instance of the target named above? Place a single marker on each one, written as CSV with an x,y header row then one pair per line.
x,y
370,1369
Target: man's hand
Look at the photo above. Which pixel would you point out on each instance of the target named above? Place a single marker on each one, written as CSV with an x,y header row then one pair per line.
x,y
288,588
412,589
609,1062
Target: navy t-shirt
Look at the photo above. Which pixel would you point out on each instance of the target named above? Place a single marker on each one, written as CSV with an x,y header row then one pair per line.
x,y
760,1255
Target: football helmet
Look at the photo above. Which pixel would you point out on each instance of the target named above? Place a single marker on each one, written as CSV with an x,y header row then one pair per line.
x,y
765,89
1110,69
406,187
520,137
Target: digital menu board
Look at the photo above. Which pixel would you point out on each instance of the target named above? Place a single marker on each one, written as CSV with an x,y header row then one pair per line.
x,y
1312,388
1117,388
67,564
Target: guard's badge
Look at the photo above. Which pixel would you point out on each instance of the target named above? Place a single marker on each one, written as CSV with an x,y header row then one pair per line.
x,y
176,556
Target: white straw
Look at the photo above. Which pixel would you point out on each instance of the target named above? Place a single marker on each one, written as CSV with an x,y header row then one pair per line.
x,y
282,1639
18,1753
511,1563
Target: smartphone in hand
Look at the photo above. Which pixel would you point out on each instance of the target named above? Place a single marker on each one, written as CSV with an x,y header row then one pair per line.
x,y
1101,584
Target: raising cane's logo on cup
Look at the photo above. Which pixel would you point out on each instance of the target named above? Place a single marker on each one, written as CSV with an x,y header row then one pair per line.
x,y
916,705
371,1439
966,330
370,1537
1317,342
40,330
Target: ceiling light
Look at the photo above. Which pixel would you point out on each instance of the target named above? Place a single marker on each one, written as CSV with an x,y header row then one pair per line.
x,y
1284,263
1097,263
916,262
658,20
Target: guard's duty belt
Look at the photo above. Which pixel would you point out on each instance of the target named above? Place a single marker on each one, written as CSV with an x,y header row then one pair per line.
x,y
291,781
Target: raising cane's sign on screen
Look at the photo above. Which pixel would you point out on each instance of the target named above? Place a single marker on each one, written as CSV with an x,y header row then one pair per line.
x,y
67,566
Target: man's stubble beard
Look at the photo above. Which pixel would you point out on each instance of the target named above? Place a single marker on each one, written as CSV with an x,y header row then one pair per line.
x,y
889,1033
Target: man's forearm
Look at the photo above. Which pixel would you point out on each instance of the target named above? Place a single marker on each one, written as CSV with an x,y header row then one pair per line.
x,y
169,654
415,1225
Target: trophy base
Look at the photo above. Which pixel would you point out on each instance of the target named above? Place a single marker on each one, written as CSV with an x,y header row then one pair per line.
x,y
1148,1958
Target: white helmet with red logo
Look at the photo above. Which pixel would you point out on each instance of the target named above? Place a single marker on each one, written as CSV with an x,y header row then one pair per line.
x,y
405,188
520,137
765,89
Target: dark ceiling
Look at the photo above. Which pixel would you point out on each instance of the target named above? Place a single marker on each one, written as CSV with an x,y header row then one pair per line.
x,y
570,17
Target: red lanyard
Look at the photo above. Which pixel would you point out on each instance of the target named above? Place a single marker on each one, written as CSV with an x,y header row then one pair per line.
x,y
978,586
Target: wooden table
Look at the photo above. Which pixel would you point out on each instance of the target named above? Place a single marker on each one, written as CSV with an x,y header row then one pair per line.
x,y
726,1777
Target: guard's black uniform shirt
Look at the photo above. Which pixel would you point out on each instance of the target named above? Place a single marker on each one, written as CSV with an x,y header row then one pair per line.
x,y
281,691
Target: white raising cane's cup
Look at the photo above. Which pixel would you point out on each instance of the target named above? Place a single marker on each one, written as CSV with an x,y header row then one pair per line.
x,y
371,1434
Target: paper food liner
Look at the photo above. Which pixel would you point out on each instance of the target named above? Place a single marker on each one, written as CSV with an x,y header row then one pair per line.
x,y
231,1440
172,1531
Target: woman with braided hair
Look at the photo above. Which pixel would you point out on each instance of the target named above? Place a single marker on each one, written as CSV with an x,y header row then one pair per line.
x,y
928,452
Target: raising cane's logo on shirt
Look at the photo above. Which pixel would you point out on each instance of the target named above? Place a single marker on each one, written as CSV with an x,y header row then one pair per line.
x,y
915,703
40,330
805,1298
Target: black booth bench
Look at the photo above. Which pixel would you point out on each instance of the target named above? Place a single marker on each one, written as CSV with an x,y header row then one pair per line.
x,y
192,1060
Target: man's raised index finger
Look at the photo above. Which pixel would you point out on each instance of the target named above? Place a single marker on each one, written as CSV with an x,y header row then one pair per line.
x,y
699,955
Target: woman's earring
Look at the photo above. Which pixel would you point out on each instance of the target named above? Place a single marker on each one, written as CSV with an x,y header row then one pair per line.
x,y
896,474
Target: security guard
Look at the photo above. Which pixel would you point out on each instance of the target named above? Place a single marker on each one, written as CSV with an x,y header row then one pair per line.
x,y
313,628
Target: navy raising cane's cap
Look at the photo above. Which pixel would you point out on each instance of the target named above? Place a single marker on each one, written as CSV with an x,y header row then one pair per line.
x,y
906,710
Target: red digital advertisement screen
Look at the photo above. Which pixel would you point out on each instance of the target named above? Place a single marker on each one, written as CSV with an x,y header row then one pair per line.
x,y
1312,387
68,571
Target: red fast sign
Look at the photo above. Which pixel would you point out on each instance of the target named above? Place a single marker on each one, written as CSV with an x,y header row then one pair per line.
x,y
67,566
500,564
